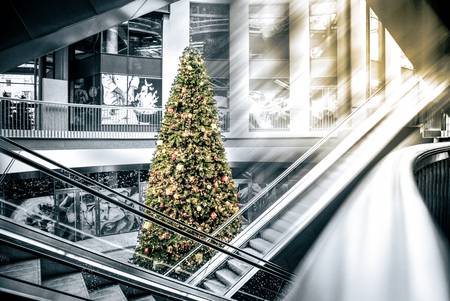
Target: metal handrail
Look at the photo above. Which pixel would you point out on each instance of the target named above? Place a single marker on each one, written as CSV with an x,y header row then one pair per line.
x,y
42,102
276,272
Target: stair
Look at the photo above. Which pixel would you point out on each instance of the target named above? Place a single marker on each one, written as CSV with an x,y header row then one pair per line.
x,y
144,298
226,276
215,286
73,284
237,266
261,245
28,270
271,235
63,278
109,293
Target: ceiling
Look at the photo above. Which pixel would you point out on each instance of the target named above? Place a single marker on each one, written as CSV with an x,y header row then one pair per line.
x,y
30,29
442,9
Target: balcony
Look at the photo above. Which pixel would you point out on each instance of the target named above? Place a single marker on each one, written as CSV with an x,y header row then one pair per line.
x,y
20,118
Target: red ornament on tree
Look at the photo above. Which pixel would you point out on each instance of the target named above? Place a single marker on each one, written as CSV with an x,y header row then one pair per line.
x,y
147,251
170,109
224,179
174,156
213,215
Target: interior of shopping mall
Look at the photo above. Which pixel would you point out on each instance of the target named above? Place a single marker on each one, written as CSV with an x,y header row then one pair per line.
x,y
256,150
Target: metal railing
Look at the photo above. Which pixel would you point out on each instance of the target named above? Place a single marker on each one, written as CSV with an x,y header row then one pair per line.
x,y
432,174
21,118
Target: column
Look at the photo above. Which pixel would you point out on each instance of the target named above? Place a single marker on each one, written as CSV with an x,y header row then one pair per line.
x,y
299,65
239,68
359,58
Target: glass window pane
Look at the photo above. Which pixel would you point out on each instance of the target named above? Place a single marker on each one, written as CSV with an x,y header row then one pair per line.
x,y
145,36
209,29
269,101
269,31
115,40
144,92
87,47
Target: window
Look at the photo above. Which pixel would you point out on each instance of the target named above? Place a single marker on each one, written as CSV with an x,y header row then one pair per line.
x,y
210,35
269,31
210,29
87,47
115,40
269,66
323,63
87,90
145,36
138,37
269,104
130,91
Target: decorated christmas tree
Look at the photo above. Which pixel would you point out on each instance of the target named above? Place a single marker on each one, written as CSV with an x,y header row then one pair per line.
x,y
190,179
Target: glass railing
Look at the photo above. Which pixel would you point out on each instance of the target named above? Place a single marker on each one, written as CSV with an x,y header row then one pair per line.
x,y
99,218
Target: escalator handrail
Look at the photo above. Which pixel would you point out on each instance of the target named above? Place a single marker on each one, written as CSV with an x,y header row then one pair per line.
x,y
93,182
285,276
286,172
69,253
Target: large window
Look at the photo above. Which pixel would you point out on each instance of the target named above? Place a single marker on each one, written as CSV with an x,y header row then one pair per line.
x,y
323,63
210,35
138,37
22,81
145,36
130,91
269,31
210,29
269,66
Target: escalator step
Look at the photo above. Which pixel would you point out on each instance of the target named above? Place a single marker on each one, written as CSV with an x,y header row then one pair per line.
x,y
227,277
261,245
251,251
281,226
73,284
299,208
29,270
144,298
109,293
215,286
271,235
238,267
289,216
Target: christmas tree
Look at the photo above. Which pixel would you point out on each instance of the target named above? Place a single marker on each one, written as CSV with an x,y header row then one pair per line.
x,y
190,179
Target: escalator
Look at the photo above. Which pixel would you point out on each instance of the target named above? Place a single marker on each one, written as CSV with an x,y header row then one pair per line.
x,y
297,205
284,233
39,266
63,237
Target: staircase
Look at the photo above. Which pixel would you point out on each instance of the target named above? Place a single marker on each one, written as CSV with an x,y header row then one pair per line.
x,y
74,282
271,235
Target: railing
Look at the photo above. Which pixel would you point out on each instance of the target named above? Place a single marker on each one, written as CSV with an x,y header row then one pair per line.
x,y
432,174
383,244
20,118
